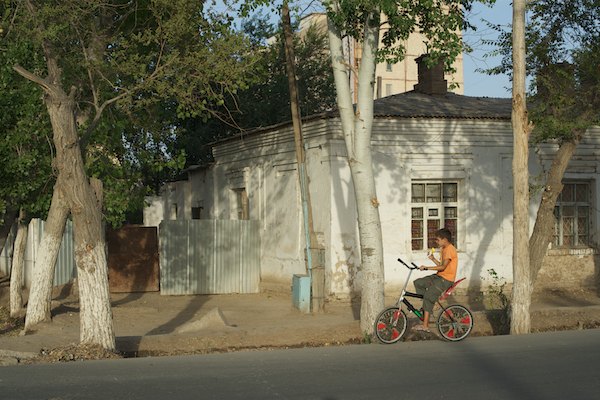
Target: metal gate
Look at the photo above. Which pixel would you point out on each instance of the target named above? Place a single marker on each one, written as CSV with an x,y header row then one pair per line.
x,y
132,259
209,256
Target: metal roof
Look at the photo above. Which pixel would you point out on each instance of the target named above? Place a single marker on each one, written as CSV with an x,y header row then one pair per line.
x,y
414,104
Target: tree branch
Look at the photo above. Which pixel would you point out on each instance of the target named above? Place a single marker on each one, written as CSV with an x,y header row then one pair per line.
x,y
49,88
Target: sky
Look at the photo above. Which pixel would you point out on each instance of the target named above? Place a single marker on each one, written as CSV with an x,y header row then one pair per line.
x,y
477,83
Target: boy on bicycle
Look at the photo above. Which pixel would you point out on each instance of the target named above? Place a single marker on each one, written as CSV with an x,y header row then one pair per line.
x,y
432,286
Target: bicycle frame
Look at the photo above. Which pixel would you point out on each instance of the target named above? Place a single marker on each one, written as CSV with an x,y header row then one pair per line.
x,y
404,293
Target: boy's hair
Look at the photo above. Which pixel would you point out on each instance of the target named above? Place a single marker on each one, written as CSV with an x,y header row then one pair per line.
x,y
444,233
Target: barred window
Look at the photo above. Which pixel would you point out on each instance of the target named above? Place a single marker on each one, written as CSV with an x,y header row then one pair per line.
x,y
572,215
434,205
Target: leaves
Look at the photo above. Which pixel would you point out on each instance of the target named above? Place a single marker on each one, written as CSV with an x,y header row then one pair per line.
x,y
266,100
563,43
136,68
26,178
439,21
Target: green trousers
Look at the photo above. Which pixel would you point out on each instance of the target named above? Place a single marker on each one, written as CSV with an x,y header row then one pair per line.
x,y
431,287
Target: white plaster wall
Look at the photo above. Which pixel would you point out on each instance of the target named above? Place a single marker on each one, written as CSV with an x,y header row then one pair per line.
x,y
177,193
201,191
283,251
414,149
343,251
477,153
273,190
153,211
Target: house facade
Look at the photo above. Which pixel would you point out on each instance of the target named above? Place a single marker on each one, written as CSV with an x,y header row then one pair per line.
x,y
440,160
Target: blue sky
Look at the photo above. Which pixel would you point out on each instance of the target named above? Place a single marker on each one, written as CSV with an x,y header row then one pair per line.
x,y
477,83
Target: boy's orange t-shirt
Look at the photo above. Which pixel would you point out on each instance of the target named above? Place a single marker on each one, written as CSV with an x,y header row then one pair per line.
x,y
449,252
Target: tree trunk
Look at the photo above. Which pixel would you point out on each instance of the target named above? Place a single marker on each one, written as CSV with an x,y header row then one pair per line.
x,y
8,219
38,306
96,325
357,134
522,287
16,271
544,223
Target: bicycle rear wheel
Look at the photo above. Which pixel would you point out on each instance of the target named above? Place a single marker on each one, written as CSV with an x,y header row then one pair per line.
x,y
455,323
390,325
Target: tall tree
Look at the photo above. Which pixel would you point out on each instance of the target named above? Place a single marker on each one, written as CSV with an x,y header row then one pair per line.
x,y
563,43
441,23
101,54
521,293
564,54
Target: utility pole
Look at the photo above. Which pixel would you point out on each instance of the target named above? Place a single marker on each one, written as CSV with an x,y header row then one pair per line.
x,y
316,273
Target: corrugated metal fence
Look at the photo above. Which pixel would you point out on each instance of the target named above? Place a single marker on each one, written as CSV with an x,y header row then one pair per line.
x,y
65,264
209,256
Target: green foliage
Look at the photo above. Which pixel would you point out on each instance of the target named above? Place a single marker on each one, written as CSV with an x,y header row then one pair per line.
x,y
563,43
266,101
497,303
26,178
368,338
440,22
496,298
136,69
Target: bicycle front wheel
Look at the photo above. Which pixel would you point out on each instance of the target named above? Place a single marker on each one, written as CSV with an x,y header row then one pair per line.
x,y
390,325
455,323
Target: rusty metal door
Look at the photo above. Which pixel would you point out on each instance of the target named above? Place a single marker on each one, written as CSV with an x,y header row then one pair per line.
x,y
133,259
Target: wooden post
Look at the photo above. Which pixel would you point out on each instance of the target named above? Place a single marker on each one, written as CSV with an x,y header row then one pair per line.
x,y
318,281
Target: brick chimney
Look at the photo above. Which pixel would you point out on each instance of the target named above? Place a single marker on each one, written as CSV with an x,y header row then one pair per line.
x,y
431,80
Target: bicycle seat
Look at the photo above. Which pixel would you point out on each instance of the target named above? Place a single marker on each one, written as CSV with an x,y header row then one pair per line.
x,y
449,291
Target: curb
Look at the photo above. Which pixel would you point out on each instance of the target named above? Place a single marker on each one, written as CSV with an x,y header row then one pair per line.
x,y
10,357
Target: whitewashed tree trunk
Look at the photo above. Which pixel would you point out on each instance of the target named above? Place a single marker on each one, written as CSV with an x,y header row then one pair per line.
x,y
357,126
522,285
38,305
96,325
16,271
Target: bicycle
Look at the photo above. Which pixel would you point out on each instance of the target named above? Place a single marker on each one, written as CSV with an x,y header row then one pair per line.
x,y
454,323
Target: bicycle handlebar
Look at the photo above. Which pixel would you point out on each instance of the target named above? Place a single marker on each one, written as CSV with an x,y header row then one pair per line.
x,y
408,266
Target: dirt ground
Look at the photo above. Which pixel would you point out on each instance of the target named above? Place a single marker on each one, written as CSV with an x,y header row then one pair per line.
x,y
150,324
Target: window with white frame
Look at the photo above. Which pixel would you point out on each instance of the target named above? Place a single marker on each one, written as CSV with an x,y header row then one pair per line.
x,y
572,215
434,205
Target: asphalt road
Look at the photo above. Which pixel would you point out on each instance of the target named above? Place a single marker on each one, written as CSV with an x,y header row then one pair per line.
x,y
560,365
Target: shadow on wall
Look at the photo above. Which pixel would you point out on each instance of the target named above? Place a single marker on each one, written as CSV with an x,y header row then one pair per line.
x,y
452,156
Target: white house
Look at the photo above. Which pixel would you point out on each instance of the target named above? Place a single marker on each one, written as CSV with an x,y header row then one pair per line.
x,y
440,159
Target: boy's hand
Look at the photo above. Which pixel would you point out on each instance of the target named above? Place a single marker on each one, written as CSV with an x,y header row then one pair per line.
x,y
422,268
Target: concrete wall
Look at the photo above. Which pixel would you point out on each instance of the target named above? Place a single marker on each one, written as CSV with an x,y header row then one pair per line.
x,y
564,269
